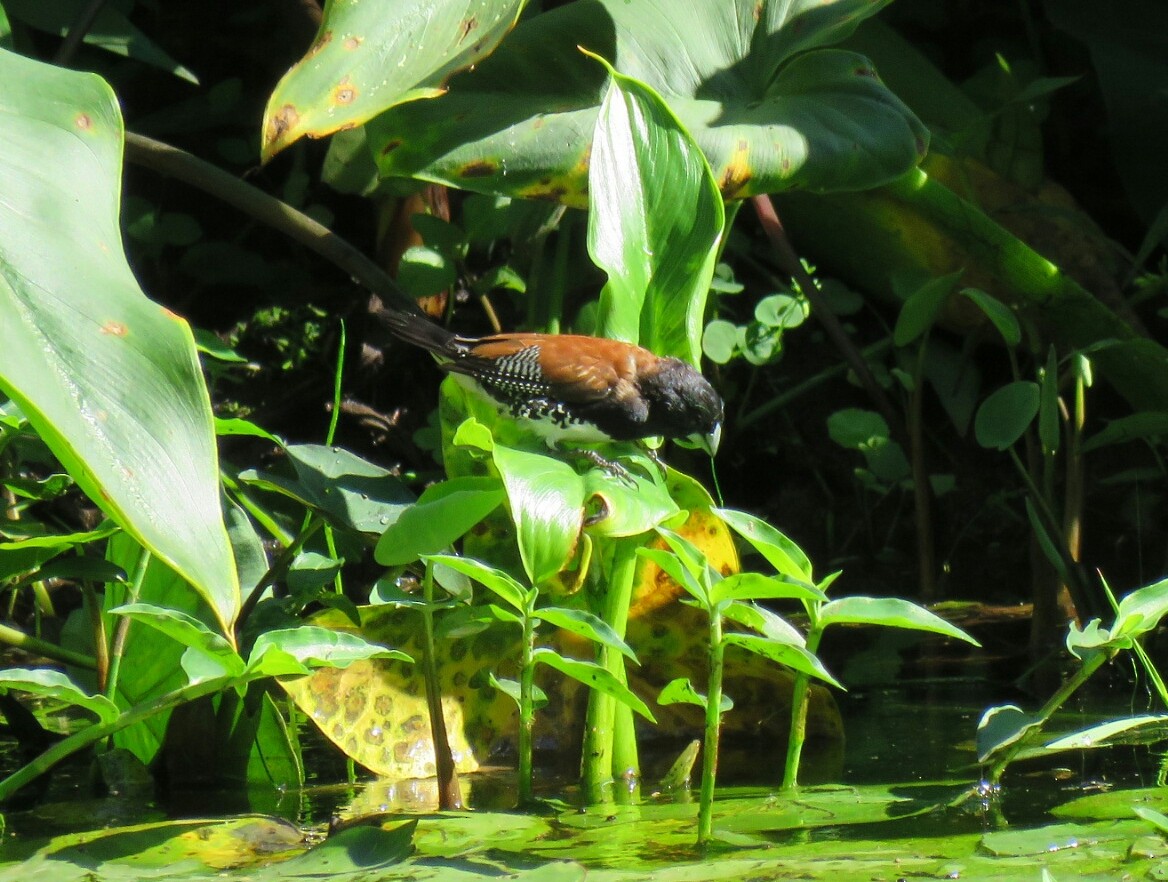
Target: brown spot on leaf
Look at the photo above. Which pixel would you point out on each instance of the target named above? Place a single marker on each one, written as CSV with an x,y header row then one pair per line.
x,y
352,43
468,25
284,119
84,121
480,168
391,145
321,41
864,71
345,92
115,329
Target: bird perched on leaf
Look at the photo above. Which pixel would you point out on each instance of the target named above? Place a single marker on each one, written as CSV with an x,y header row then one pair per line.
x,y
575,388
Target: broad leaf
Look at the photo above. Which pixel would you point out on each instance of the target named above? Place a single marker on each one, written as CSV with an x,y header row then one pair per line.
x,y
546,498
655,223
1001,727
56,686
187,631
889,612
442,514
299,650
109,380
498,582
1005,414
792,655
370,56
585,624
682,691
780,552
769,109
595,677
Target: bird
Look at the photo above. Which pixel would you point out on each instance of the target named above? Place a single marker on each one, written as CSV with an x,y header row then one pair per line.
x,y
571,388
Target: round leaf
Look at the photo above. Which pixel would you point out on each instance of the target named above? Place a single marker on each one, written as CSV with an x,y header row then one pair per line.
x,y
1005,414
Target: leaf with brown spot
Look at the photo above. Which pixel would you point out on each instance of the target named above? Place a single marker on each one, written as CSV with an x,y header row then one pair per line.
x,y
392,53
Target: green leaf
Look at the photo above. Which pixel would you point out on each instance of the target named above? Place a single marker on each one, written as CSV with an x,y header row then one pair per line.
x,y
292,651
188,631
353,492
770,624
719,341
1137,426
1001,727
1005,414
111,30
347,76
793,655
110,381
755,586
655,222
682,691
546,498
352,853
888,612
1141,729
58,687
920,309
998,313
443,514
1141,610
511,689
620,507
768,107
672,566
498,582
780,552
585,624
857,429
595,677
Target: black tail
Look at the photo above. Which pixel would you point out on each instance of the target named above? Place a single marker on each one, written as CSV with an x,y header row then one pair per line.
x,y
417,329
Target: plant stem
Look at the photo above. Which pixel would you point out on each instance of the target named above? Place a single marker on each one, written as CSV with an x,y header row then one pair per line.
x,y
527,705
279,565
169,160
35,646
789,261
92,734
449,793
800,699
122,629
610,744
713,731
1090,665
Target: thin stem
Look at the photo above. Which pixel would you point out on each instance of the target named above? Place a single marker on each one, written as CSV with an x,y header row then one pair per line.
x,y
800,699
1090,665
35,646
122,629
449,792
77,31
278,567
789,261
713,731
527,706
169,160
922,495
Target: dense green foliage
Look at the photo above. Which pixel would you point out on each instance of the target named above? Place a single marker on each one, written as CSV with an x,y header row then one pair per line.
x,y
193,462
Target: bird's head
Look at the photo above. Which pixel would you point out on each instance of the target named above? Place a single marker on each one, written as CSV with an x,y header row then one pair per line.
x,y
684,406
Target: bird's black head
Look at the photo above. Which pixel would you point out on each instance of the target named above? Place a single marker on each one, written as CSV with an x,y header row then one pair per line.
x,y
683,405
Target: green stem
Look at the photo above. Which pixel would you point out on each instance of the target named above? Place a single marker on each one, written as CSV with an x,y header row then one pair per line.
x,y
449,793
92,734
239,493
1090,665
122,629
527,706
35,646
610,744
713,732
800,699
278,567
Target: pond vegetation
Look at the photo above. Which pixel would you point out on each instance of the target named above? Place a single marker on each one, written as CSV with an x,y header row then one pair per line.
x,y
252,553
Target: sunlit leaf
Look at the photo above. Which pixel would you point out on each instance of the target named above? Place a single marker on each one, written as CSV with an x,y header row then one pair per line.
x,y
585,624
792,655
499,583
595,677
110,381
888,612
57,686
783,554
442,514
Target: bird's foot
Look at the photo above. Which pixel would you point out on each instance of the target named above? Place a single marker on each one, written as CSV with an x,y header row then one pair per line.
x,y
615,469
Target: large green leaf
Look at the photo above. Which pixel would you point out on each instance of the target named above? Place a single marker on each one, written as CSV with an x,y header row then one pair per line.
x,y
109,380
655,223
370,56
768,113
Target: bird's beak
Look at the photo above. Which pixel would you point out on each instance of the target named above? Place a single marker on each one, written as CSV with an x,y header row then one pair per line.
x,y
708,442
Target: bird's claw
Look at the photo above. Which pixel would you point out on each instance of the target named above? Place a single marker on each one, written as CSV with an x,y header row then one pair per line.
x,y
615,469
